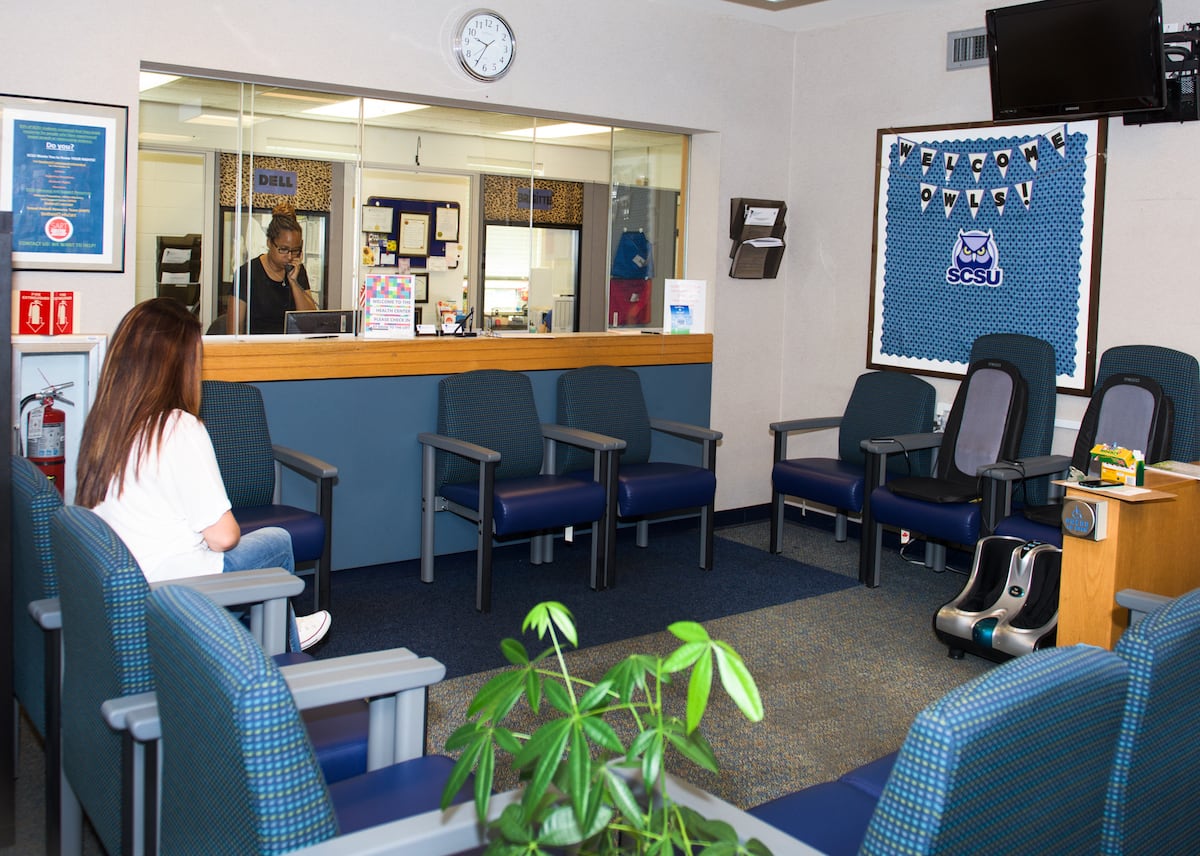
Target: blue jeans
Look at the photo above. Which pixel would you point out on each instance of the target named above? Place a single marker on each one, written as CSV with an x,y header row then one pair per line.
x,y
270,547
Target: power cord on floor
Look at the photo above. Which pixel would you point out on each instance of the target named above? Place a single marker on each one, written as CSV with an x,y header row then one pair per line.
x,y
921,561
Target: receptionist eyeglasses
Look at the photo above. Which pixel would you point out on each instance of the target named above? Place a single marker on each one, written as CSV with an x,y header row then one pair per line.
x,y
287,251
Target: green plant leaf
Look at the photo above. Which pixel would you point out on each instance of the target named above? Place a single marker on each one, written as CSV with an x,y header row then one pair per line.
x,y
514,651
463,735
578,782
548,742
498,696
684,656
624,800
689,631
597,695
630,674
652,761
602,734
738,682
533,690
695,748
514,825
558,697
458,776
552,612
699,688
506,740
484,777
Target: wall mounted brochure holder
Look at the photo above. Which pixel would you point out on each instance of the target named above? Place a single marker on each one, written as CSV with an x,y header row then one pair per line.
x,y
756,227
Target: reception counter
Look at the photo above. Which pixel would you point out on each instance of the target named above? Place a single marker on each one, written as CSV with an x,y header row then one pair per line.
x,y
359,404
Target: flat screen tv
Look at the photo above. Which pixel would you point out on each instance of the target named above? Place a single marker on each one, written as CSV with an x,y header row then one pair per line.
x,y
1065,58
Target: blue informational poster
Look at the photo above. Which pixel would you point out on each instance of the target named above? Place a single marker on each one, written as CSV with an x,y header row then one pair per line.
x,y
62,173
58,187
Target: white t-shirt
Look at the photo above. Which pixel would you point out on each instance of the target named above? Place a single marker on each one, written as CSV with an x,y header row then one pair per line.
x,y
163,511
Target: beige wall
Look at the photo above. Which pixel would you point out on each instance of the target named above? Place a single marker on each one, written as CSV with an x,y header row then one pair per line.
x,y
789,116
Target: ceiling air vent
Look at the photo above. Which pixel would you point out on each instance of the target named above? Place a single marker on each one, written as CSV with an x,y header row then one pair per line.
x,y
966,48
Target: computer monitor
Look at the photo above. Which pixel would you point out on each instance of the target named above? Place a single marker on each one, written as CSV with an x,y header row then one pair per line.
x,y
321,321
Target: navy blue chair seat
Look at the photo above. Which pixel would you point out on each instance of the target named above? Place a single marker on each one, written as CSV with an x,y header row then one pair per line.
x,y
952,522
307,529
657,486
534,502
401,790
828,481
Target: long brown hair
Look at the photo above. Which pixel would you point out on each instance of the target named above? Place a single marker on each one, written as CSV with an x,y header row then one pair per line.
x,y
152,368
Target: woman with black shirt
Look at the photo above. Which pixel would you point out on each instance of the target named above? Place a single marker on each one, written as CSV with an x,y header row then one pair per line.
x,y
273,283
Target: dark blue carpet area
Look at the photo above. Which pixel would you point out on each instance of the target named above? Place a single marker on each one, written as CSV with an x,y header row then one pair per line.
x,y
387,606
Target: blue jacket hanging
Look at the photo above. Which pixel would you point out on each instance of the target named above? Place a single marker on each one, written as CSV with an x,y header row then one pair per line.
x,y
633,258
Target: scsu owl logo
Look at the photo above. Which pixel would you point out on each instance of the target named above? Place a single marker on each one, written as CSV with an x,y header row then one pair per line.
x,y
976,260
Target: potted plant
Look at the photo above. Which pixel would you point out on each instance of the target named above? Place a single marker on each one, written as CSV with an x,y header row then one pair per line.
x,y
585,790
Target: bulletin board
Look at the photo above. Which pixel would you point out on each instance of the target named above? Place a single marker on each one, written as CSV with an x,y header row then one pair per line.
x,y
987,229
442,226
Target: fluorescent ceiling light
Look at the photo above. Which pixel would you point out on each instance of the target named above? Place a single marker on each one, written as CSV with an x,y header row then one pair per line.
x,y
372,108
151,79
155,137
490,164
562,129
217,118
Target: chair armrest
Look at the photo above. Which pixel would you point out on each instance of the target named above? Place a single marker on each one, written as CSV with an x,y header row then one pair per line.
x,y
47,613
812,424
459,447
1026,468
303,462
683,429
358,676
238,588
583,439
1139,603
901,443
137,714
264,590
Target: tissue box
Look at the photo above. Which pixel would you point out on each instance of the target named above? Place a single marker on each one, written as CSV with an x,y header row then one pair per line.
x,y
1122,465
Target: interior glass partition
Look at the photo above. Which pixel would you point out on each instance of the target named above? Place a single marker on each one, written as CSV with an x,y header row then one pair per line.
x,y
336,155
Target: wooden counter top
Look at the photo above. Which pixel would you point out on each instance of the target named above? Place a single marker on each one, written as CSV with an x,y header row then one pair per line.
x,y
269,358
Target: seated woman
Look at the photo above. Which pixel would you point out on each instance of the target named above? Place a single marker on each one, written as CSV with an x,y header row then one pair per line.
x,y
147,466
273,283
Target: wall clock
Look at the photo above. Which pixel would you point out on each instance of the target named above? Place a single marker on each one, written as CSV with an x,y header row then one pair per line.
x,y
484,45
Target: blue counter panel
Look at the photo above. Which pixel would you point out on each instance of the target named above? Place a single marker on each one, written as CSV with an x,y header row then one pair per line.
x,y
368,428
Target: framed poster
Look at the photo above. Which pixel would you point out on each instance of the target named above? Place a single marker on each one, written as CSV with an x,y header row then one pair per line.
x,y
420,287
62,174
987,229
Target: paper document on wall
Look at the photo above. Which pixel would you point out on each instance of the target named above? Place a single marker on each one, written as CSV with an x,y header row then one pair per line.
x,y
684,306
761,216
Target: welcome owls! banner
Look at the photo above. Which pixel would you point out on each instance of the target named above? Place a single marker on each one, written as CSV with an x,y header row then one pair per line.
x,y
987,229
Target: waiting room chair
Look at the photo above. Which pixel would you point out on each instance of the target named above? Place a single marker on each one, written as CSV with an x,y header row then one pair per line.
x,y
1177,374
609,400
37,622
251,468
1154,795
106,772
1017,760
882,404
239,773
492,462
984,426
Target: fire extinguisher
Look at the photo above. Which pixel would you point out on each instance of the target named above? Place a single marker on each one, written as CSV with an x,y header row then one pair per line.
x,y
45,433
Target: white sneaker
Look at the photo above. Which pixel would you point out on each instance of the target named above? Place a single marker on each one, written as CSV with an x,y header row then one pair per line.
x,y
312,628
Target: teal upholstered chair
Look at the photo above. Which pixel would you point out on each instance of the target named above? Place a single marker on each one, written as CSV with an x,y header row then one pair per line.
x,y
1154,797
882,404
492,461
239,773
1017,760
609,400
250,467
106,676
37,642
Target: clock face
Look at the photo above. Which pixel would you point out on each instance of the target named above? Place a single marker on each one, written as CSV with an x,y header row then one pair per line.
x,y
484,45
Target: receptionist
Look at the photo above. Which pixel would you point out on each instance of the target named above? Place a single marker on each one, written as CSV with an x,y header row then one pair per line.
x,y
273,283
